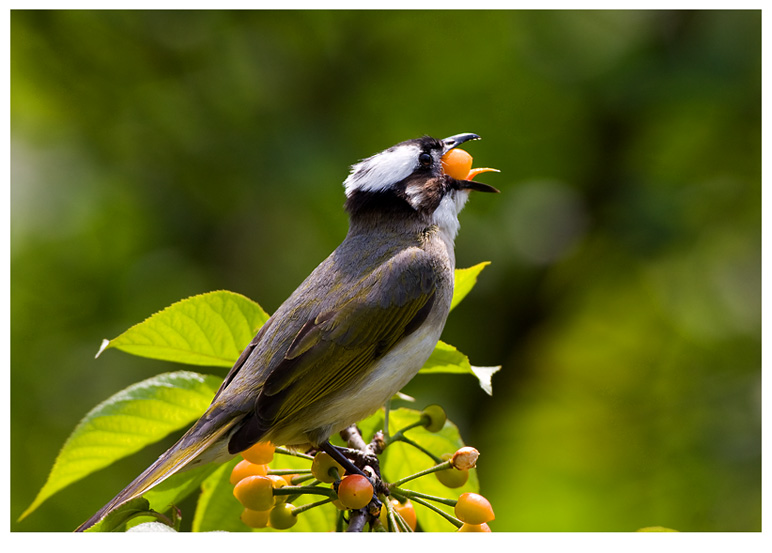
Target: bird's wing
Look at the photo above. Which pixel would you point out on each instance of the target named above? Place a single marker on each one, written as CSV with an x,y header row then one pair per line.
x,y
342,341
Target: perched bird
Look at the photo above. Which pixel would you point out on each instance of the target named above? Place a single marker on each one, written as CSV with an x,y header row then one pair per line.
x,y
354,332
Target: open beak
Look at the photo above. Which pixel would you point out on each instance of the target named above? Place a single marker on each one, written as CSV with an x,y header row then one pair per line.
x,y
467,182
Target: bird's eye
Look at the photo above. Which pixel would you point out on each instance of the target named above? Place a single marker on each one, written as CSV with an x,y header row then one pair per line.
x,y
425,159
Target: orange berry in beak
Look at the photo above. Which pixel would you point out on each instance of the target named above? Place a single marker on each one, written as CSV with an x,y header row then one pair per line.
x,y
457,163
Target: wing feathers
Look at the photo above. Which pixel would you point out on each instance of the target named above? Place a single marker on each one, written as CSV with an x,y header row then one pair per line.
x,y
341,343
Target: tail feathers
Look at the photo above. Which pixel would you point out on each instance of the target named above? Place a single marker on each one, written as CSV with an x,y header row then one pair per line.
x,y
177,458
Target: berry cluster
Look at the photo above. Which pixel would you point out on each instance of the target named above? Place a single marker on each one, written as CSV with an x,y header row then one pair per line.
x,y
267,495
254,488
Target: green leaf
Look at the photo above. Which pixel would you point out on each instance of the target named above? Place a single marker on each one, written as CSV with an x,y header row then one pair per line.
x,y
217,508
465,279
209,329
135,417
177,487
447,359
118,517
400,460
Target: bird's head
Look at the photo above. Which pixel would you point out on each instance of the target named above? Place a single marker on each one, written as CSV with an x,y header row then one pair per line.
x,y
414,177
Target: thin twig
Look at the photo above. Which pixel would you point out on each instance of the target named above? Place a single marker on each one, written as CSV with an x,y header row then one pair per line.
x,y
358,520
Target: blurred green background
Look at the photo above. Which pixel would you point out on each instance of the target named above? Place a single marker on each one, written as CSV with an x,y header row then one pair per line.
x,y
156,155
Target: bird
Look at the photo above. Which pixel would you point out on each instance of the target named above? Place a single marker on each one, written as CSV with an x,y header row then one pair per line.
x,y
354,332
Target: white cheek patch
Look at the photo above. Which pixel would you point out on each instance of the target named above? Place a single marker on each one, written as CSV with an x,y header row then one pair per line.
x,y
416,195
383,170
446,214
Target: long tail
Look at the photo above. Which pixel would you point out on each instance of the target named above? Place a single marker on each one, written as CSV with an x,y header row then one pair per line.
x,y
187,450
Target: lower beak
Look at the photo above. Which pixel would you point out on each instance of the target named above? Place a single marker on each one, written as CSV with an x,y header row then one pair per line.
x,y
474,185
456,140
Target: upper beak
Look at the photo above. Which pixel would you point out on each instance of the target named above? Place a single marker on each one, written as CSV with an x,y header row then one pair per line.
x,y
456,140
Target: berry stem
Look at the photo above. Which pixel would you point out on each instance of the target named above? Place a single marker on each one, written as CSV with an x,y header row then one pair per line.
x,y
289,471
296,480
399,435
402,438
436,468
421,422
450,518
339,522
285,451
297,510
410,494
396,521
301,490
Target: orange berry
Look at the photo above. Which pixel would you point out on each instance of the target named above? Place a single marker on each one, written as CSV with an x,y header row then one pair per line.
x,y
244,468
457,163
255,519
355,491
260,453
473,508
321,465
405,510
254,492
474,528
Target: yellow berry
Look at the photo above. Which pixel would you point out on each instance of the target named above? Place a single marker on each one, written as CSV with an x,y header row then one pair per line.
x,y
321,465
260,453
473,508
433,416
255,519
282,517
245,468
451,477
254,492
474,528
278,482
